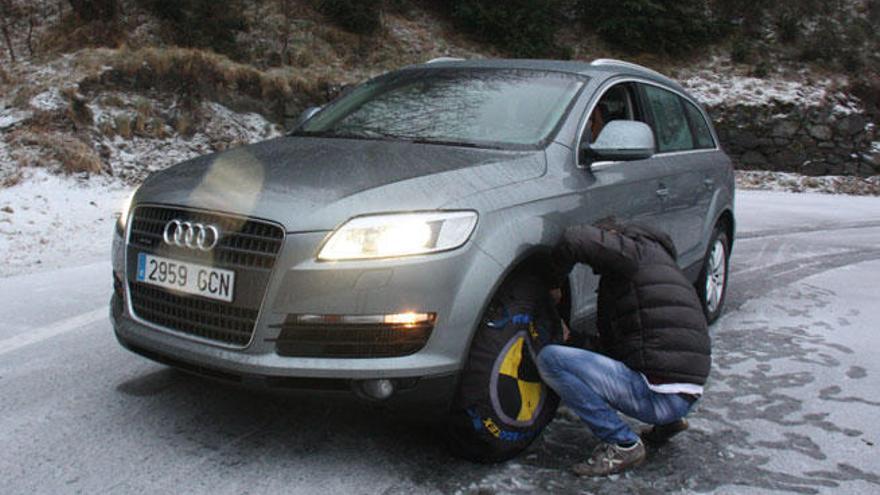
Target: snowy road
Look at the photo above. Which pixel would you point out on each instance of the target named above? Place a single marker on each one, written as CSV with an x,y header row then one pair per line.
x,y
791,405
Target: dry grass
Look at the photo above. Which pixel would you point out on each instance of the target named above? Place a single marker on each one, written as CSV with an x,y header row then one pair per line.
x,y
184,124
123,126
196,75
78,110
73,155
12,179
71,34
22,94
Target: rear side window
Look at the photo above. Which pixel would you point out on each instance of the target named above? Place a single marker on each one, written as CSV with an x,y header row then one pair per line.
x,y
702,134
670,121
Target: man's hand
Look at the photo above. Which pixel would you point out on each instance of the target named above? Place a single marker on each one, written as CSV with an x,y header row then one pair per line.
x,y
556,294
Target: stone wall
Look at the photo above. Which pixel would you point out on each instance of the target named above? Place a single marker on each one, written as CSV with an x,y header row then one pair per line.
x,y
826,139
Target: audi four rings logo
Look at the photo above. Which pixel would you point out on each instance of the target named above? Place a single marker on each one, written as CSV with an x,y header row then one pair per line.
x,y
191,235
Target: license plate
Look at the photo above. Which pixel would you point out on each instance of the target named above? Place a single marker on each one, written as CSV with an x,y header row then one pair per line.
x,y
189,278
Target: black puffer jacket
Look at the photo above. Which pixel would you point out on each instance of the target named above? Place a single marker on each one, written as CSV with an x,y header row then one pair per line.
x,y
649,315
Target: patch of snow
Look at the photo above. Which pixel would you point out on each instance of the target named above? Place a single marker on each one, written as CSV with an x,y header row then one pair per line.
x,y
49,101
52,221
241,127
713,89
12,116
134,158
790,182
844,109
7,163
766,210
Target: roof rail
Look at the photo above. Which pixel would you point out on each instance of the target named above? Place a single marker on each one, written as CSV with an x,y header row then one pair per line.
x,y
444,59
621,63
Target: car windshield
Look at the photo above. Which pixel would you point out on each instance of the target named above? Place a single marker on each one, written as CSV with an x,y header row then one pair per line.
x,y
490,108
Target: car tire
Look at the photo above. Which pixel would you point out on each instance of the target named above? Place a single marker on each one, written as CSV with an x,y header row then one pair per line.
x,y
712,283
501,405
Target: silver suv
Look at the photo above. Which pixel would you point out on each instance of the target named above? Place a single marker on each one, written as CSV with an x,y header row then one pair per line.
x,y
393,244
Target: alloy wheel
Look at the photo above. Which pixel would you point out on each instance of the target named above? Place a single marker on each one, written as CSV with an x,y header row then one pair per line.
x,y
716,276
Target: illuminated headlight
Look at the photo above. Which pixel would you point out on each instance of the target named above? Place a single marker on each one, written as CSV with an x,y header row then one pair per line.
x,y
123,214
395,235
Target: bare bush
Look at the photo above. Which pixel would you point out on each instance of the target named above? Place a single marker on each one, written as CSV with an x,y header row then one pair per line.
x,y
9,14
197,75
95,10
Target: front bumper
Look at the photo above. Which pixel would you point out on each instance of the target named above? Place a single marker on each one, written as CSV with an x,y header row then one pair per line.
x,y
453,285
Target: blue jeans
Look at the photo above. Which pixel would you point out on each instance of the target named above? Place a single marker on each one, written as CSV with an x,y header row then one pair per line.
x,y
596,387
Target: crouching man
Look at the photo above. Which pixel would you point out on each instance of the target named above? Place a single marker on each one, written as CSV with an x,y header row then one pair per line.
x,y
654,350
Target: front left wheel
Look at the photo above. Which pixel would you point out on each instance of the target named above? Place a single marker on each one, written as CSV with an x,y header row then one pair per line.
x,y
501,405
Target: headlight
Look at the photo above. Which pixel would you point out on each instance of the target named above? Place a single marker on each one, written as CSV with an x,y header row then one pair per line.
x,y
401,234
123,214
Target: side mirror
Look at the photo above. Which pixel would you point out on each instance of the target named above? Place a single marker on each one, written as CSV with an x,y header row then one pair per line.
x,y
622,140
306,115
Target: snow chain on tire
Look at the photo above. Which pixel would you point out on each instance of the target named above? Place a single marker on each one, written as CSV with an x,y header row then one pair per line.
x,y
502,405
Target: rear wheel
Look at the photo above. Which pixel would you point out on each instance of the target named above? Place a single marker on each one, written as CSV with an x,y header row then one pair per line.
x,y
712,283
501,405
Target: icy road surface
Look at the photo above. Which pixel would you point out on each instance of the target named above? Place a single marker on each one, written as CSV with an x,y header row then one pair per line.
x,y
792,403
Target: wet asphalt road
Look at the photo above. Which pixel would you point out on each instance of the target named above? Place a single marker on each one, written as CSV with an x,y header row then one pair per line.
x,y
791,407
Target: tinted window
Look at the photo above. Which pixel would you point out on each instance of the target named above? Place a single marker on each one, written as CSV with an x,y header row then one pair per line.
x,y
500,107
702,134
670,122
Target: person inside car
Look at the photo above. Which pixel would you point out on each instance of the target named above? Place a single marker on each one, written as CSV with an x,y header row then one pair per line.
x,y
654,349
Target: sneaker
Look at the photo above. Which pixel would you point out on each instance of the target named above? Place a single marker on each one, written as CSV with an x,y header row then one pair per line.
x,y
608,458
660,434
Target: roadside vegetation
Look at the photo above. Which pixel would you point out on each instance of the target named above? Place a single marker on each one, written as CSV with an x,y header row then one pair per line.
x,y
86,83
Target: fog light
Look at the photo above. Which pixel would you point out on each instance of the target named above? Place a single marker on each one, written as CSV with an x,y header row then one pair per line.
x,y
409,319
377,389
402,320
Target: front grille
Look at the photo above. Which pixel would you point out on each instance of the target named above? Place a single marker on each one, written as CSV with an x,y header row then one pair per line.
x,y
194,316
247,246
351,340
244,243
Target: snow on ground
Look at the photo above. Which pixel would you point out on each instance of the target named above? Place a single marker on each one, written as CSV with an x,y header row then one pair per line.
x,y
815,340
788,182
801,210
12,116
51,221
132,159
715,89
131,134
49,101
714,86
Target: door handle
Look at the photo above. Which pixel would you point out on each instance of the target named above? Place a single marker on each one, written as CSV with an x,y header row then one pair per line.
x,y
663,193
709,183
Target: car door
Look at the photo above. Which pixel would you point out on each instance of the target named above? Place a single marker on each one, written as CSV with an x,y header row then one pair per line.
x,y
624,190
683,145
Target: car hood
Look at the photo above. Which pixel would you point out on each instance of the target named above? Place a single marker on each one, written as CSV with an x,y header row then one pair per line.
x,y
310,184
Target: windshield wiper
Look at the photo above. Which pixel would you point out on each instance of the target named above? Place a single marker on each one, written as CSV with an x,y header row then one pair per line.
x,y
444,142
332,133
368,133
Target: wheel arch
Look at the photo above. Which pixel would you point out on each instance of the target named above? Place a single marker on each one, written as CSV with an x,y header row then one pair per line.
x,y
726,220
530,260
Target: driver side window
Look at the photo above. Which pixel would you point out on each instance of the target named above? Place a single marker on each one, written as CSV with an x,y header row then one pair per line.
x,y
618,103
